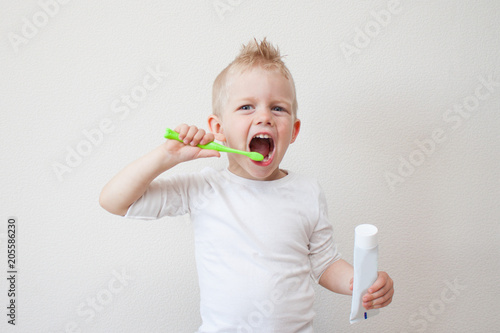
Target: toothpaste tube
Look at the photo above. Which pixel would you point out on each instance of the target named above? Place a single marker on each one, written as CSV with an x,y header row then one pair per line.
x,y
365,269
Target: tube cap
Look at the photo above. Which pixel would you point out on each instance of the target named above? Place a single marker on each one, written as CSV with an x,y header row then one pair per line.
x,y
365,236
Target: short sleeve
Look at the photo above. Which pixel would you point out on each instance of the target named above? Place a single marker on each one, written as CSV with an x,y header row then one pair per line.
x,y
322,249
171,196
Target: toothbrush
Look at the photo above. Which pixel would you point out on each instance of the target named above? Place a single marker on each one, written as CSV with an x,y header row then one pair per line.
x,y
172,135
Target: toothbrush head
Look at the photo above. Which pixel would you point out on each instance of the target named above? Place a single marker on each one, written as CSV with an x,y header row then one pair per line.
x,y
255,156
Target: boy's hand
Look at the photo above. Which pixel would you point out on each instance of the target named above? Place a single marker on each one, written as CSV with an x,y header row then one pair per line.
x,y
131,182
191,136
380,294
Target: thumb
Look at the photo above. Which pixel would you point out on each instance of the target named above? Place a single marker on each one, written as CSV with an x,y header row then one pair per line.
x,y
208,153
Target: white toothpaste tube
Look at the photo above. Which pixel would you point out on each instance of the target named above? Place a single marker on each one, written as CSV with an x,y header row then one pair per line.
x,y
365,269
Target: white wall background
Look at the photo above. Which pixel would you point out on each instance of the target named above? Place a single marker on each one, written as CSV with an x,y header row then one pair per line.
x,y
362,114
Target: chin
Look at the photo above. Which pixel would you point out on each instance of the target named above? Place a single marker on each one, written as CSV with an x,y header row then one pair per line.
x,y
247,168
268,172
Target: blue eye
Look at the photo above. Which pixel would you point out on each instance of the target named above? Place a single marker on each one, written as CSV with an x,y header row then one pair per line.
x,y
246,107
278,108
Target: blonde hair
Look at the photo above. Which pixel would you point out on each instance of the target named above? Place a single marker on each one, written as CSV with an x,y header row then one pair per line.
x,y
262,54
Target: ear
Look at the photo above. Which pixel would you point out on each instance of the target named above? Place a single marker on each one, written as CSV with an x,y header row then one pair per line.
x,y
296,130
215,126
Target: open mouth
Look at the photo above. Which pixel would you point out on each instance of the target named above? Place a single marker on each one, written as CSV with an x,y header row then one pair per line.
x,y
263,144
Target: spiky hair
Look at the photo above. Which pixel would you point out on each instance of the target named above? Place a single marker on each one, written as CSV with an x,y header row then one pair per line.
x,y
254,54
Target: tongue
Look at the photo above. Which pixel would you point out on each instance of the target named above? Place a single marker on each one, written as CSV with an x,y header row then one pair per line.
x,y
260,146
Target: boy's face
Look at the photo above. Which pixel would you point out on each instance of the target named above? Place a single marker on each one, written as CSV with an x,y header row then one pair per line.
x,y
258,117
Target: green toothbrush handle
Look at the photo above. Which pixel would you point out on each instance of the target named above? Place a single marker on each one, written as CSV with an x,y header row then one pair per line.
x,y
173,135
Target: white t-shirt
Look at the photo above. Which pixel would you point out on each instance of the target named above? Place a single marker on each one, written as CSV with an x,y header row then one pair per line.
x,y
256,244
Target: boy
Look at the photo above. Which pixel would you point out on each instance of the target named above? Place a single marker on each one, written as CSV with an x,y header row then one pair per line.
x,y
260,231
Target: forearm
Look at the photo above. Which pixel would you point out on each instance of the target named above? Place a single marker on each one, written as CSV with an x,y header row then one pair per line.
x,y
337,277
131,182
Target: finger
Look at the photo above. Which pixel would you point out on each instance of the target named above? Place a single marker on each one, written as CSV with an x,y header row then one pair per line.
x,y
198,136
379,283
182,129
371,301
389,301
381,301
383,288
382,305
209,137
389,285
208,153
369,297
190,134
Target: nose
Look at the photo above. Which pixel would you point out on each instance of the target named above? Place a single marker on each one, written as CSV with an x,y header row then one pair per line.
x,y
264,116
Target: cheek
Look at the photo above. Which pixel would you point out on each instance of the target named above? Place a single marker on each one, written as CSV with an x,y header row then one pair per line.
x,y
238,126
286,130
234,131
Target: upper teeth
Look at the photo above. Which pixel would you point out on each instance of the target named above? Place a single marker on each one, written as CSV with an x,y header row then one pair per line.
x,y
262,136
